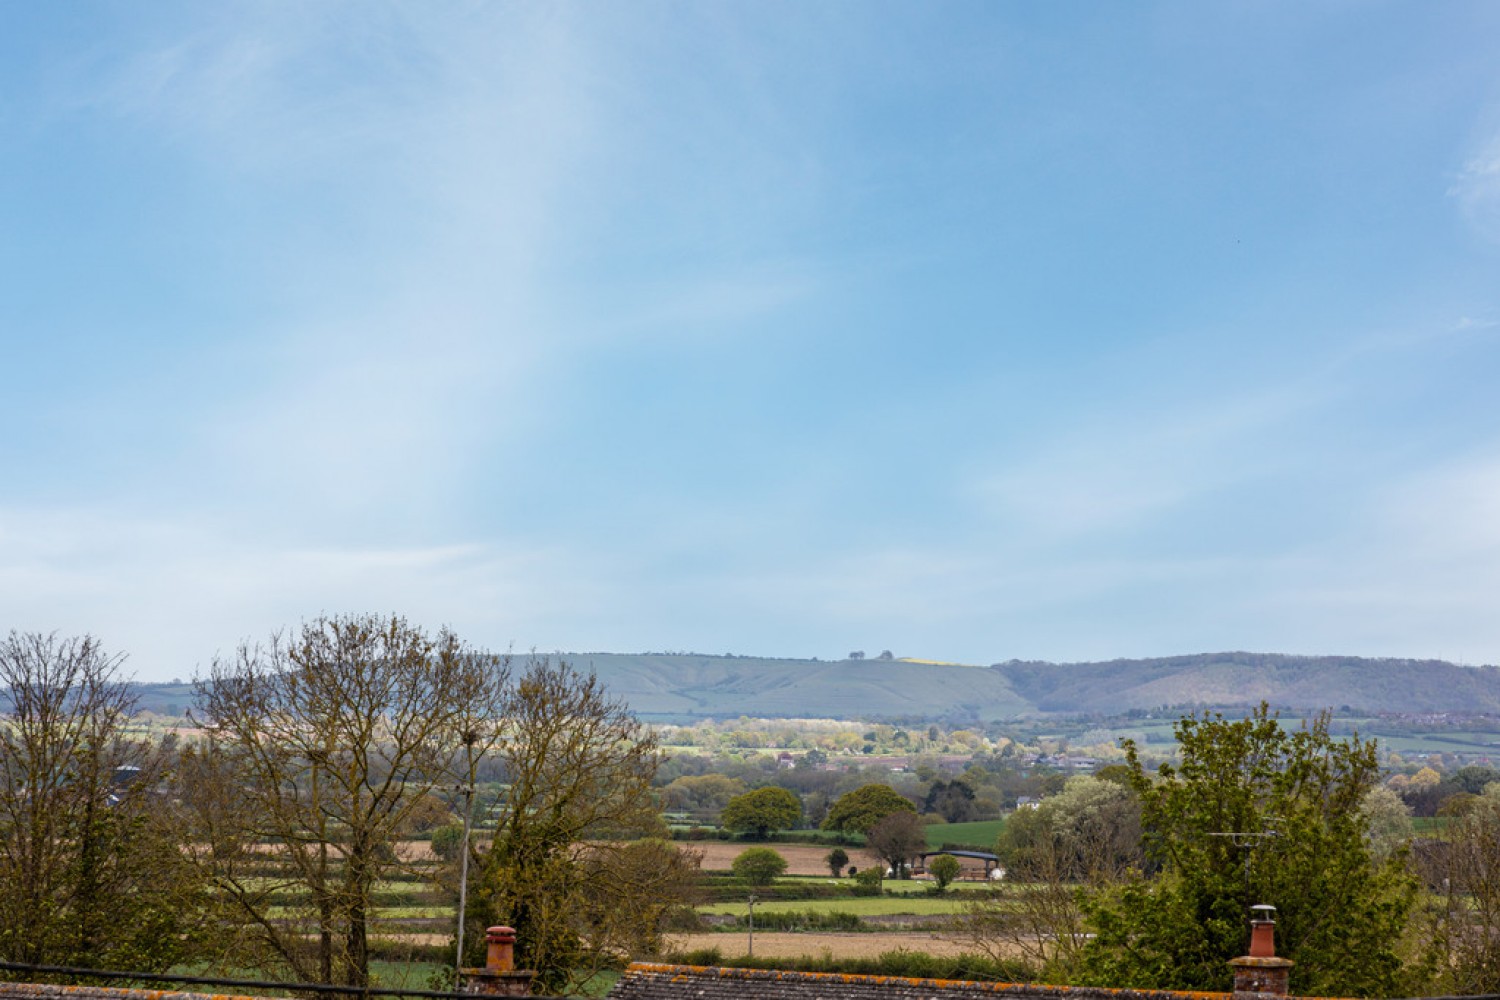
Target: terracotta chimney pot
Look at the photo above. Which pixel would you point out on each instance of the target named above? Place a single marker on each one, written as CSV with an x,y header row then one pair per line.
x,y
1263,939
500,955
1261,974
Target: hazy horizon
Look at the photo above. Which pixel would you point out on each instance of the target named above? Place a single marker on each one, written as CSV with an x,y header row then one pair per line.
x,y
971,331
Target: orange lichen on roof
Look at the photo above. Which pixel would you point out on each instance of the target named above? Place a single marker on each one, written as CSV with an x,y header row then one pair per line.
x,y
684,973
48,989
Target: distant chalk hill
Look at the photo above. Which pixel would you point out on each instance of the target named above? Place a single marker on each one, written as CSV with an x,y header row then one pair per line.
x,y
687,686
682,687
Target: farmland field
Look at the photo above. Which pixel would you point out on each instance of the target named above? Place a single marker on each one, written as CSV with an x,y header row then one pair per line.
x,y
780,945
801,859
981,834
864,906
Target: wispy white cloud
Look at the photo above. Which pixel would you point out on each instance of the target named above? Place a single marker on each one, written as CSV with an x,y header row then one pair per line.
x,y
451,141
1477,189
1469,323
1449,511
709,303
1119,470
481,147
1412,572
177,592
452,220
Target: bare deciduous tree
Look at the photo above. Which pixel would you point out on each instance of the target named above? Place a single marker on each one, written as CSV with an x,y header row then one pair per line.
x,y
1462,870
1078,842
1034,913
321,748
897,839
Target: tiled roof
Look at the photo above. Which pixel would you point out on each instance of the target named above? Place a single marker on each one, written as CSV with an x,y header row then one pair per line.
x,y
43,991
695,982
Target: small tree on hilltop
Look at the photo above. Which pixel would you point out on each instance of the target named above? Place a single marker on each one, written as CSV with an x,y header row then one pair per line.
x,y
760,866
761,811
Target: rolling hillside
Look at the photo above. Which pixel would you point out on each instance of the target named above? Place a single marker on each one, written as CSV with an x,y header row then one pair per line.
x,y
672,686
662,687
1221,679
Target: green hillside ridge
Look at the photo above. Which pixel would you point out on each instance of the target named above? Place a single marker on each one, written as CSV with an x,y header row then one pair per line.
x,y
1239,678
682,687
664,686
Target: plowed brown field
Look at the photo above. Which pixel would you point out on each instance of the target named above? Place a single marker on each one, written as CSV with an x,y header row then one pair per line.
x,y
801,859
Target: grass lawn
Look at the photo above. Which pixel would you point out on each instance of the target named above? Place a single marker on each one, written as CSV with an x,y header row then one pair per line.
x,y
398,912
981,833
922,887
385,912
396,975
864,906
290,884
892,886
406,975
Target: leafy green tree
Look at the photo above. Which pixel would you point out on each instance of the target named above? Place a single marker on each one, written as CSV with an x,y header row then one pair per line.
x,y
761,811
861,809
631,891
760,866
701,796
952,800
92,872
1034,913
1255,813
447,841
869,881
837,859
578,767
1089,832
1077,843
1458,804
1473,778
944,869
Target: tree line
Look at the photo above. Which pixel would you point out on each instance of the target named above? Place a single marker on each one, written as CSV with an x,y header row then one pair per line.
x,y
1144,877
264,840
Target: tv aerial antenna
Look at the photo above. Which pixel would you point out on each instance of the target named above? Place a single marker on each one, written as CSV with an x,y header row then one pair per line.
x,y
1248,841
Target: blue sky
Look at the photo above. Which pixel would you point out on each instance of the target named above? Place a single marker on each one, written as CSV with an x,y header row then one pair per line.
x,y
966,330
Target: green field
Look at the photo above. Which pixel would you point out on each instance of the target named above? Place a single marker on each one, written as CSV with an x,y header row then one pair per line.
x,y
981,834
864,906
